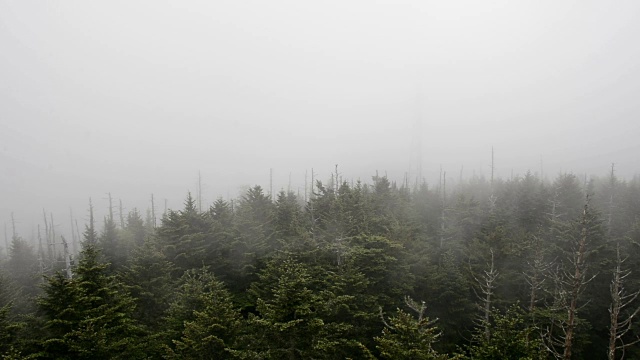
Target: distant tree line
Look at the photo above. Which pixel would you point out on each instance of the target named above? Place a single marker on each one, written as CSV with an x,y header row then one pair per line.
x,y
503,269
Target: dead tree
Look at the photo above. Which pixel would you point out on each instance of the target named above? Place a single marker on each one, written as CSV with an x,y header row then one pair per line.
x,y
78,235
537,274
41,266
153,212
47,237
310,205
419,308
67,258
620,300
444,208
74,239
199,192
6,240
612,190
121,213
305,186
577,281
487,285
90,235
14,234
52,227
492,197
110,207
570,284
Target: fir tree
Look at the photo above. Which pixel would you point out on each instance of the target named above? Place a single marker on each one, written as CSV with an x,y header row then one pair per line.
x,y
407,338
89,316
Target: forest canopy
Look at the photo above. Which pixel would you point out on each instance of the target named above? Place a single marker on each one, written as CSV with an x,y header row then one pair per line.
x,y
486,269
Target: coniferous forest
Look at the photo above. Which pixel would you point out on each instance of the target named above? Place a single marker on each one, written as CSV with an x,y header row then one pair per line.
x,y
519,268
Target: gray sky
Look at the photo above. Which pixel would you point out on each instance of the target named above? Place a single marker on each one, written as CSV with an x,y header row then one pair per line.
x,y
135,97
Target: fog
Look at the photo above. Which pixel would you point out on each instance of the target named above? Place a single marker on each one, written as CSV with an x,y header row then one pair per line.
x,y
135,98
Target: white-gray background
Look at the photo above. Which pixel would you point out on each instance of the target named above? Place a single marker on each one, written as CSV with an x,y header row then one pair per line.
x,y
136,97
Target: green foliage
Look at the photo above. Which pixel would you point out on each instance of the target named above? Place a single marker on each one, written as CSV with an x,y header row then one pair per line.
x,y
22,274
89,316
296,280
8,330
382,262
288,217
135,228
111,247
510,338
407,338
183,236
450,300
295,321
219,256
148,278
255,227
211,329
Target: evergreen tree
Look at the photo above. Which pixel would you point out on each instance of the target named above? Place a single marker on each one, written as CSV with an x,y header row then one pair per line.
x,y
22,270
111,247
184,235
89,316
448,291
219,255
9,327
148,277
135,228
407,338
255,224
288,217
294,321
214,326
510,338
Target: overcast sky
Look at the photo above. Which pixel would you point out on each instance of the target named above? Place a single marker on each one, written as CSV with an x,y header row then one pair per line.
x,y
136,97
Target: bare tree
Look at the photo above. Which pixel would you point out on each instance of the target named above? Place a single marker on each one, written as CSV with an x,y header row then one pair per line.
x,y
67,258
153,212
419,308
121,213
570,284
536,276
612,186
444,208
6,240
41,256
620,300
487,285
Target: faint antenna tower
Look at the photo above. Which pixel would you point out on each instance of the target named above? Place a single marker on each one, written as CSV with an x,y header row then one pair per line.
x,y
416,148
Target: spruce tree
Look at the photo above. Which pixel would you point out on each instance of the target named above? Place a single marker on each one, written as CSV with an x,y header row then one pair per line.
x,y
210,331
89,316
407,338
297,318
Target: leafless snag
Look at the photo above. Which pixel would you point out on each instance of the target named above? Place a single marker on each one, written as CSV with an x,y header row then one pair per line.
x,y
419,308
486,283
536,276
620,300
570,283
